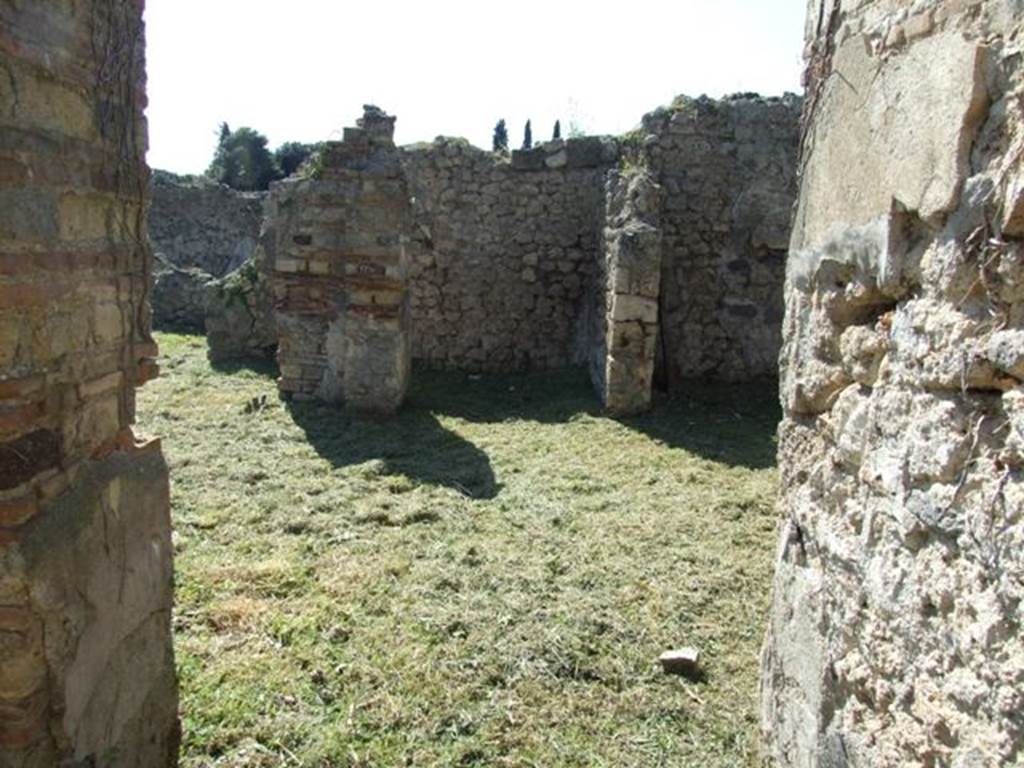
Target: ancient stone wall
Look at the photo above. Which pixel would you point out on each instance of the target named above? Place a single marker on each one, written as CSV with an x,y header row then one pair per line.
x,y
87,669
503,252
728,171
340,272
895,634
205,225
507,261
209,274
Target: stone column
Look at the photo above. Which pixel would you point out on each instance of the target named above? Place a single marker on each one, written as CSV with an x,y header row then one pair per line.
x,y
341,273
628,331
895,635
86,663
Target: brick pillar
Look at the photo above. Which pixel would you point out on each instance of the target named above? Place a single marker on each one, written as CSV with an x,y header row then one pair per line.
x,y
86,662
340,275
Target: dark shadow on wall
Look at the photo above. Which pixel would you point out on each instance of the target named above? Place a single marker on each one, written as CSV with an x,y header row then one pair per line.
x,y
730,423
412,443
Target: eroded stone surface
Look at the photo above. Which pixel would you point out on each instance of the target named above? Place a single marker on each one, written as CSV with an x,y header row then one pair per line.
x,y
728,171
895,635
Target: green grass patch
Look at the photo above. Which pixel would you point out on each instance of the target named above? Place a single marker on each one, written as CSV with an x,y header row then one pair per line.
x,y
486,579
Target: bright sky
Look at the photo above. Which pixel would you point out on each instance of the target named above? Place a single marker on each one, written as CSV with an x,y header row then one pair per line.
x,y
300,70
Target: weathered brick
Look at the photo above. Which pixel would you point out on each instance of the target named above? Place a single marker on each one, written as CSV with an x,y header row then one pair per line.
x,y
84,217
108,322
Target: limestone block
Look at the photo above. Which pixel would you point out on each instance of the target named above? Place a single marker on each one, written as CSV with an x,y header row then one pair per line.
x,y
84,217
626,307
914,119
108,322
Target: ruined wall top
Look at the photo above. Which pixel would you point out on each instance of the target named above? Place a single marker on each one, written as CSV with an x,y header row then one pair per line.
x,y
376,124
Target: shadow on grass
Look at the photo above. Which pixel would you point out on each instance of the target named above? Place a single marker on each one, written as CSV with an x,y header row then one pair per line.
x,y
412,443
549,397
729,423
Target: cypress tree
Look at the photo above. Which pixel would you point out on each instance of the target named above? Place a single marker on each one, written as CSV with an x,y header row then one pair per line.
x,y
528,137
500,137
558,130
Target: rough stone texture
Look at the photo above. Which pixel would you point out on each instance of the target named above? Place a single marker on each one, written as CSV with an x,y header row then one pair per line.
x,y
205,225
239,310
340,272
180,295
728,170
626,331
87,673
210,272
503,252
895,626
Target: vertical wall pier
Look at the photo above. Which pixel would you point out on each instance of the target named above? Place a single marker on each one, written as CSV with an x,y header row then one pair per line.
x,y
86,663
340,278
623,369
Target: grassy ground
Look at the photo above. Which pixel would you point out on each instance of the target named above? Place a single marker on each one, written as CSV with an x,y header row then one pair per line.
x,y
485,580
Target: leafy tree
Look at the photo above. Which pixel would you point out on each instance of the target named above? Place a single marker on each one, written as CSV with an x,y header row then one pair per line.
x,y
558,130
528,136
242,160
290,155
500,143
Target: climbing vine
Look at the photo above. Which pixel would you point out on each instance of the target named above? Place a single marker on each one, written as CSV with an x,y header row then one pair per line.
x,y
118,53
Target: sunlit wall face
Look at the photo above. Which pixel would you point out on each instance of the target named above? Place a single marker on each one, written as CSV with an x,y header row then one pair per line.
x,y
300,71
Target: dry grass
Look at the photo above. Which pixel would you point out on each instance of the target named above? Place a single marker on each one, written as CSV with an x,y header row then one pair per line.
x,y
486,579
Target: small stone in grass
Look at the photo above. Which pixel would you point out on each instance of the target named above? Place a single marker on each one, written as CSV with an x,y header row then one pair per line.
x,y
680,662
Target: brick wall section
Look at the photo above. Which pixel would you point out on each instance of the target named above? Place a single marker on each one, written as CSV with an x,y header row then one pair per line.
x,y
340,273
74,344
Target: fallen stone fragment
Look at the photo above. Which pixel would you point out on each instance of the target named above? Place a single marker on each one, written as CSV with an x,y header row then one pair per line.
x,y
684,661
